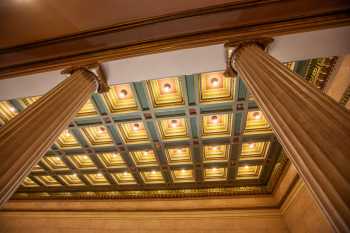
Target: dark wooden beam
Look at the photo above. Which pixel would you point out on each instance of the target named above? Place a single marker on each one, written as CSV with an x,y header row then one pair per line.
x,y
193,28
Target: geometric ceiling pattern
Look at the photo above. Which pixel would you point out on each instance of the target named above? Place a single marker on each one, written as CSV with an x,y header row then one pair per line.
x,y
193,135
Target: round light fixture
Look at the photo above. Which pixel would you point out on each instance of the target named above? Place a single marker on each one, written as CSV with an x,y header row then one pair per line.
x,y
174,123
214,119
214,82
167,87
136,126
257,115
123,93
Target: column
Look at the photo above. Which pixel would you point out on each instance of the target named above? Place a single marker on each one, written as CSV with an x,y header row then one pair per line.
x,y
27,137
312,128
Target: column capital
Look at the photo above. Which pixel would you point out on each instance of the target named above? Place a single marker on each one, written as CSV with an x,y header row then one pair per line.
x,y
95,71
233,48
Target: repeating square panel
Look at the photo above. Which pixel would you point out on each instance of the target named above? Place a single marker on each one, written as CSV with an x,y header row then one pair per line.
x,y
7,112
67,140
216,125
254,150
97,136
71,180
82,161
133,132
111,160
54,163
120,98
249,172
256,123
215,174
215,86
216,153
152,177
29,183
124,178
96,179
182,175
87,110
48,181
173,128
143,158
166,92
179,155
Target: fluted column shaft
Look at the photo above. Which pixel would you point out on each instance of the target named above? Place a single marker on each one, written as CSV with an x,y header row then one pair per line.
x,y
312,128
27,137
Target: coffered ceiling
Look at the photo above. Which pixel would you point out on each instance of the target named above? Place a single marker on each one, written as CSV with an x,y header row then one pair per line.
x,y
191,135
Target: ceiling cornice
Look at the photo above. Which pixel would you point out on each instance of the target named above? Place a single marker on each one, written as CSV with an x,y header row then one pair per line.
x,y
177,31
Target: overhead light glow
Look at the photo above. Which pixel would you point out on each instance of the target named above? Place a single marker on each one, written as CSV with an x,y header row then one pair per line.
x,y
167,87
123,93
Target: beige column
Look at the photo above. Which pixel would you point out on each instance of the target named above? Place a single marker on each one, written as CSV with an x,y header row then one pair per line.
x,y
312,128
25,139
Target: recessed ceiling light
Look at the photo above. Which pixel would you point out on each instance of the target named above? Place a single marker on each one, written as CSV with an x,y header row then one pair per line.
x,y
74,175
174,123
167,87
85,157
125,173
214,119
153,172
136,126
123,93
257,115
12,109
214,82
99,174
66,133
101,130
251,145
246,166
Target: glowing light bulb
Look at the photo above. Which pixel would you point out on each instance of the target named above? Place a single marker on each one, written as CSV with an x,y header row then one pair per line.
x,y
85,157
257,115
136,126
214,119
123,93
182,170
167,87
214,168
12,109
101,130
114,155
99,174
66,133
214,148
125,173
153,172
174,123
75,175
179,150
246,166
214,82
251,145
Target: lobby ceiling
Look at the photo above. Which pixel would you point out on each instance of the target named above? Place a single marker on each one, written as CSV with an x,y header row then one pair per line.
x,y
182,136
